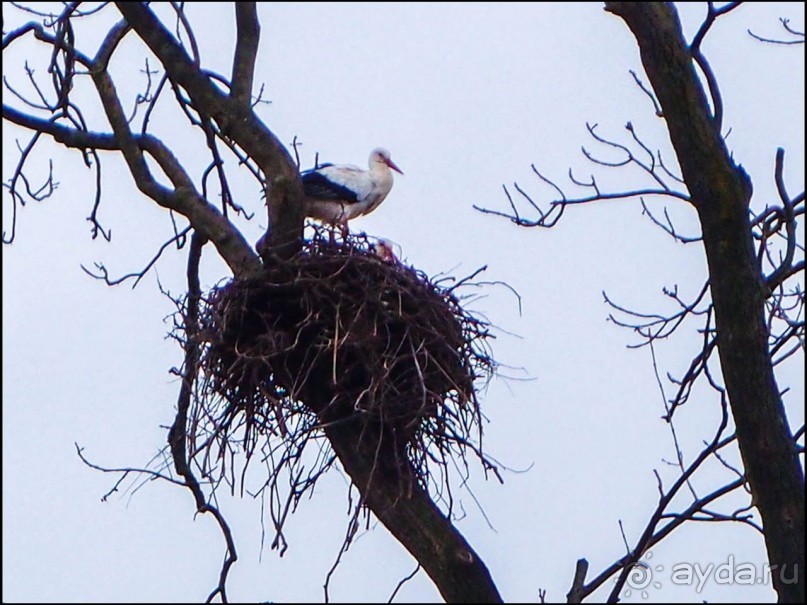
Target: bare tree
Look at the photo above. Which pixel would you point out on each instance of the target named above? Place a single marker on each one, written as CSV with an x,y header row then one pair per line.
x,y
751,313
381,455
752,306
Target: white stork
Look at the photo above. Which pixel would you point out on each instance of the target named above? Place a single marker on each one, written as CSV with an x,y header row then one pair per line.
x,y
383,250
336,194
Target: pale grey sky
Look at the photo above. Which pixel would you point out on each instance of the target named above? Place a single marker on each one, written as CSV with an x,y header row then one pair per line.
x,y
466,97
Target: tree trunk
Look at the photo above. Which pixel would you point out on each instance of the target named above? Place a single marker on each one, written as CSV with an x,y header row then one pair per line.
x,y
409,513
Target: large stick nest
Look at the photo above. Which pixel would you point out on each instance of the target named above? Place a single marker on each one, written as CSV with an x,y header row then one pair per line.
x,y
337,332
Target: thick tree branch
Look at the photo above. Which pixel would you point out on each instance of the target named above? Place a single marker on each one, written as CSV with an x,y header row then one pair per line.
x,y
246,51
184,199
235,120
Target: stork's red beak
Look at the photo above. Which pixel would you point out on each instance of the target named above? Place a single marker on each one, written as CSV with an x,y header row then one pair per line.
x,y
392,165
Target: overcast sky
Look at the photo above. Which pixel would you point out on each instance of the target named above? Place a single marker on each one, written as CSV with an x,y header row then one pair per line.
x,y
466,97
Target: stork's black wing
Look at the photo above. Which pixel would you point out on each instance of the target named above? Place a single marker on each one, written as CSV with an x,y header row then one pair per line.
x,y
318,185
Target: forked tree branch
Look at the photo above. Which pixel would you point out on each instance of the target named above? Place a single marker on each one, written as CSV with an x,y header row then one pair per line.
x,y
234,118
